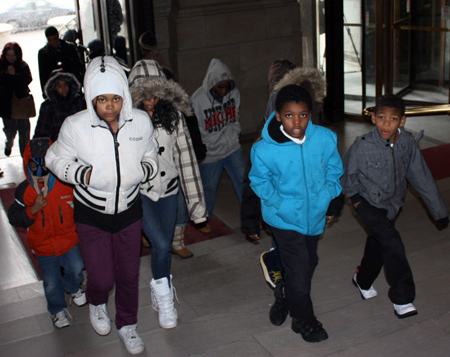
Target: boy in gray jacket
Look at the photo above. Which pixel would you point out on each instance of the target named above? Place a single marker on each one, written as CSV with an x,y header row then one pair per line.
x,y
377,168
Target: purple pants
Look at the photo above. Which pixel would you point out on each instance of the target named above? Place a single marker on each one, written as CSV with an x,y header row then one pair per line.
x,y
113,258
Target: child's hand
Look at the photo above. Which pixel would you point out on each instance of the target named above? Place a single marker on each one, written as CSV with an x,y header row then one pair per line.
x,y
11,70
330,219
39,203
356,204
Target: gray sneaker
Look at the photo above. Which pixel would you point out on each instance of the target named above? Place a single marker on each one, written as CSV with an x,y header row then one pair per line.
x,y
60,320
79,298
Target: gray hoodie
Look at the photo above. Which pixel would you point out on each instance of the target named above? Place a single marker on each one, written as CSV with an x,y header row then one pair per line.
x,y
218,121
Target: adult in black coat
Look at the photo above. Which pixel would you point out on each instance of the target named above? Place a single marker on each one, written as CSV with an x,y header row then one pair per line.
x,y
58,54
15,76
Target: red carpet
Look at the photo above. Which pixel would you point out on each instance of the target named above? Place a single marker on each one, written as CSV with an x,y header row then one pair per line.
x,y
218,229
438,160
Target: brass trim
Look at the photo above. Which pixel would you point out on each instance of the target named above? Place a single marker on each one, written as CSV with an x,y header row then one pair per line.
x,y
418,111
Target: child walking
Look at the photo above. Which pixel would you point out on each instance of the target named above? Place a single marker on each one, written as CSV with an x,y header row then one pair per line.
x,y
378,166
296,170
43,204
106,152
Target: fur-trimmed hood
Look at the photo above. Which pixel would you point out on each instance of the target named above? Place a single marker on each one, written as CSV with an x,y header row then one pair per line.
x,y
74,86
151,84
300,75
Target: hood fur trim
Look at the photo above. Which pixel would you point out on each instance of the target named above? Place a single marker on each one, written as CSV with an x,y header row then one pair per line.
x,y
74,85
305,74
155,86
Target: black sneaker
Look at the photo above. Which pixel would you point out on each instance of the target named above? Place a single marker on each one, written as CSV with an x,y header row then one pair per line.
x,y
272,272
7,151
279,310
311,330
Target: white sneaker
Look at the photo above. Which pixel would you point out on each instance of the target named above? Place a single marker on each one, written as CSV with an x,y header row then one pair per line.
x,y
79,298
100,320
133,342
60,320
365,294
162,301
402,311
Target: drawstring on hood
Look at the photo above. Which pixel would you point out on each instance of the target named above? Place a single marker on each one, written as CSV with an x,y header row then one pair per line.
x,y
113,74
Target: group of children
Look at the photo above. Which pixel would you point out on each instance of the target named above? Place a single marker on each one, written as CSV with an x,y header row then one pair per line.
x,y
129,151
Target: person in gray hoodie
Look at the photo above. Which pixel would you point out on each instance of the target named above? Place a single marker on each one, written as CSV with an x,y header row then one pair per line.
x,y
216,106
377,168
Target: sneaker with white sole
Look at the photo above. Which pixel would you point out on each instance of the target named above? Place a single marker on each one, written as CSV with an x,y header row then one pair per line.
x,y
99,318
365,294
272,272
79,298
162,301
60,320
403,311
133,342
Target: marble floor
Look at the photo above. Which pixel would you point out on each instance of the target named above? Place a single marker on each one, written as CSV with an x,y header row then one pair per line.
x,y
224,300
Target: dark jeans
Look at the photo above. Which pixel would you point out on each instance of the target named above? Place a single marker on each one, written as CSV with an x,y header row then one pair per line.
x,y
298,255
384,246
159,224
11,127
113,258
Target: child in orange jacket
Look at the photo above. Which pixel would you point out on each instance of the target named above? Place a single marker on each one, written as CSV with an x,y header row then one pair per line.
x,y
44,205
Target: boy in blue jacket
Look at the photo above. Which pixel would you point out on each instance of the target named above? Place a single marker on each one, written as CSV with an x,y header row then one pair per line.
x,y
296,170
378,166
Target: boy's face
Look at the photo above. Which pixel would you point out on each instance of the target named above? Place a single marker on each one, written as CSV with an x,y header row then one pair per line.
x,y
387,121
223,88
62,88
294,117
108,107
53,41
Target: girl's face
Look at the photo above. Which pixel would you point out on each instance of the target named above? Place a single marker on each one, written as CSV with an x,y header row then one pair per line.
x,y
149,105
11,56
294,117
62,88
108,107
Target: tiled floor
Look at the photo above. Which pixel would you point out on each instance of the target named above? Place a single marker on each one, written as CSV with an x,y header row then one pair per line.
x,y
224,301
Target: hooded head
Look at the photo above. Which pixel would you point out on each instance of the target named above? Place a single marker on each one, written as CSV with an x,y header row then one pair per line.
x,y
218,72
104,75
36,172
57,75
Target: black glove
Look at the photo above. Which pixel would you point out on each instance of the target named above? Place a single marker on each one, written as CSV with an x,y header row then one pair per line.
x,y
442,223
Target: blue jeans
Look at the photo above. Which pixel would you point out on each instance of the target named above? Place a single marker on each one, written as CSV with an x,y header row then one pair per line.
x,y
182,213
54,283
211,173
158,224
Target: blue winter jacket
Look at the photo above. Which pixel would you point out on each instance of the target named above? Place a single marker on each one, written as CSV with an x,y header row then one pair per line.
x,y
296,182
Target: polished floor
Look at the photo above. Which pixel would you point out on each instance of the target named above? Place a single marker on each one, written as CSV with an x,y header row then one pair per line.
x,y
224,300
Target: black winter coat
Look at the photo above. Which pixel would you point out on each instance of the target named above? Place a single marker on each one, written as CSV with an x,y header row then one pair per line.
x,y
55,109
64,57
9,84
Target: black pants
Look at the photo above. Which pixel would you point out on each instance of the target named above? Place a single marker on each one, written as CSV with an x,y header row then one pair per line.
x,y
11,127
298,255
384,246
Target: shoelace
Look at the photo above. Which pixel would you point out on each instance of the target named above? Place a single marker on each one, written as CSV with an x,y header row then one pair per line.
x,y
276,275
75,296
166,302
100,313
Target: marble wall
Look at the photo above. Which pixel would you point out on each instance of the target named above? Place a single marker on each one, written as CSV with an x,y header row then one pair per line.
x,y
247,35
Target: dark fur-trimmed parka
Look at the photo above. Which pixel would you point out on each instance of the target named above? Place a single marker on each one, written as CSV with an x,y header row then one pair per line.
x,y
55,109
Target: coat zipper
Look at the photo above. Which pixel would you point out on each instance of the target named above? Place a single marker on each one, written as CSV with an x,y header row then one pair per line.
x,y
306,188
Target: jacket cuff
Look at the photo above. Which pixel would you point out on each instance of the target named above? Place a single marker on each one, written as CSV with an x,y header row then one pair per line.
x,y
355,198
442,223
80,174
29,214
148,172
